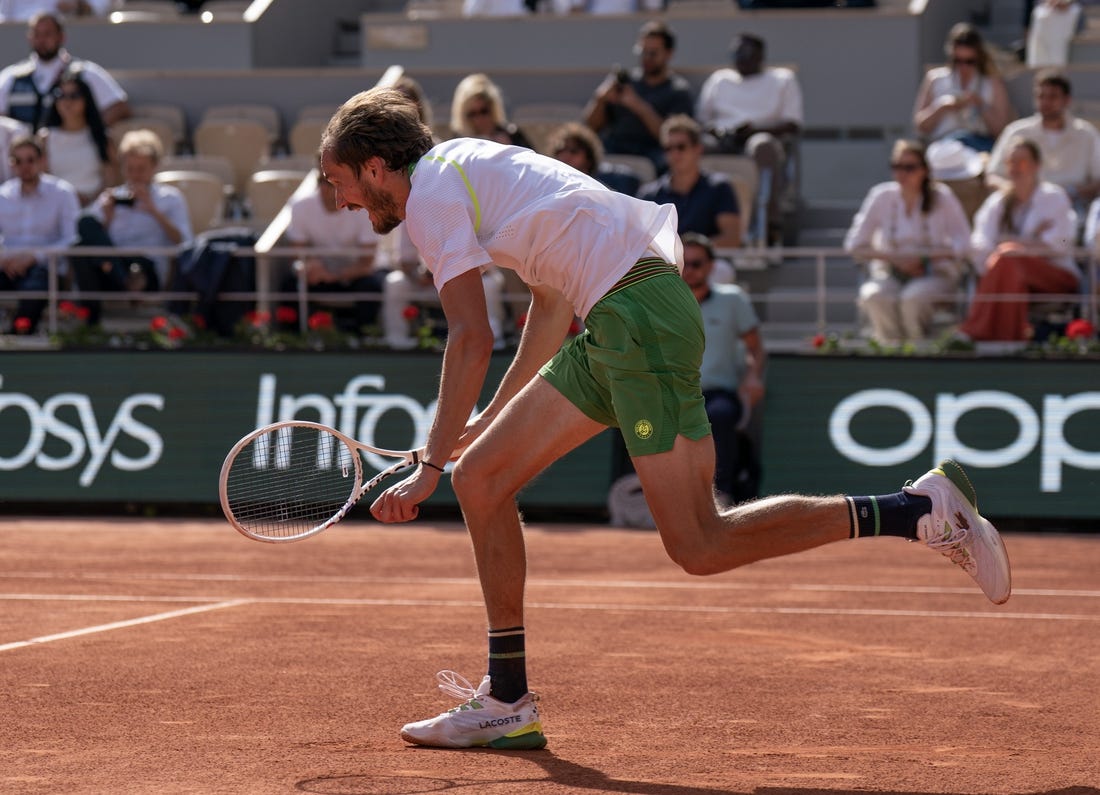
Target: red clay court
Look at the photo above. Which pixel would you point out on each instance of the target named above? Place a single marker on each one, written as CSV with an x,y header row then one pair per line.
x,y
176,656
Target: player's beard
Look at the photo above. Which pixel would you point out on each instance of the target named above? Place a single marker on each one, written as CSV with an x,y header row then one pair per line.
x,y
383,209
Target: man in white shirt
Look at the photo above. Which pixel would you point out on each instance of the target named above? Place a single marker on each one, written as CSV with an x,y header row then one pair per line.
x,y
38,212
615,262
1070,146
26,87
753,109
316,221
140,213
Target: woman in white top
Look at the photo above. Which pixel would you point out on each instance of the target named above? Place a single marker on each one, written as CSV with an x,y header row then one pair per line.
x,y
75,139
1009,228
914,231
966,99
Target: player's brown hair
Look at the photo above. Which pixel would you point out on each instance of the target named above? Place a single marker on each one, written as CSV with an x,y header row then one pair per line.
x,y
380,122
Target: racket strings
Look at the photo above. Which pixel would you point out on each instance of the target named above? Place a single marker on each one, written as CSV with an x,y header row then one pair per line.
x,y
288,482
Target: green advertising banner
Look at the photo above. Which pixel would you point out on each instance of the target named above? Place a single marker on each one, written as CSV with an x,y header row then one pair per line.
x,y
151,427
154,427
1028,432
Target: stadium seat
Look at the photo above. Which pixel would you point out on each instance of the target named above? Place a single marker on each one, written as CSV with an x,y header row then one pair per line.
x,y
266,115
172,115
305,136
268,191
204,194
211,164
244,143
641,165
742,173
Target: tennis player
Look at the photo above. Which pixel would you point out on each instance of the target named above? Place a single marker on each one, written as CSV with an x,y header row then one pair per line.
x,y
614,261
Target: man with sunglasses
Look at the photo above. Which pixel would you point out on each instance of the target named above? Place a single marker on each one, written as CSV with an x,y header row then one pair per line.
x,y
705,202
628,107
614,261
38,214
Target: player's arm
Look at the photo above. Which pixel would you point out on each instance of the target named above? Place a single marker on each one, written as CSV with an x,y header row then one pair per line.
x,y
548,319
465,363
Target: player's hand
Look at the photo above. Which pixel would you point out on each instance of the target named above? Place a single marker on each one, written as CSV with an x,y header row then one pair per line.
x,y
401,501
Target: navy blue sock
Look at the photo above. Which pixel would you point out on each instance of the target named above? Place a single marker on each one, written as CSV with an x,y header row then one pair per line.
x,y
507,664
887,514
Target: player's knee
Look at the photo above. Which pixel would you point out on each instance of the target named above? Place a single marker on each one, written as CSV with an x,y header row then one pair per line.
x,y
473,483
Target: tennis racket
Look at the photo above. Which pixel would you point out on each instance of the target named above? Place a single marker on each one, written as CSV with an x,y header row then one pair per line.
x,y
291,480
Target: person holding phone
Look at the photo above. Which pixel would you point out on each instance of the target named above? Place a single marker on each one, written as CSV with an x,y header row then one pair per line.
x,y
628,107
136,214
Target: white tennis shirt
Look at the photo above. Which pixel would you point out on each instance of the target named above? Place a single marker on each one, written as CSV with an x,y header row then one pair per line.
x,y
476,202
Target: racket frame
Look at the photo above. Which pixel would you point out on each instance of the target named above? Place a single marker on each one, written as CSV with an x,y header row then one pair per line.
x,y
404,460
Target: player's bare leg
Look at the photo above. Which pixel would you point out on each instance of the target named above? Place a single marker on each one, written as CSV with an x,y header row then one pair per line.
x,y
679,490
940,509
535,429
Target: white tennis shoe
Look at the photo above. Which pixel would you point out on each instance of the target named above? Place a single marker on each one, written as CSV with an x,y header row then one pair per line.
x,y
956,529
481,721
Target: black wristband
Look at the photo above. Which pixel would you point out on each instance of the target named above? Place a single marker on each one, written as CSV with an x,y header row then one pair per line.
x,y
430,464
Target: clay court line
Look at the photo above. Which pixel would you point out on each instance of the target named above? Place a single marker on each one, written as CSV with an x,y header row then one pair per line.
x,y
220,602
535,581
121,624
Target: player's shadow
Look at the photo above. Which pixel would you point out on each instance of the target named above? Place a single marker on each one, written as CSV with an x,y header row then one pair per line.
x,y
572,775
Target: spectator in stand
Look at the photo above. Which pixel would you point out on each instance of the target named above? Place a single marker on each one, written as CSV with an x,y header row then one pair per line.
x,y
76,143
139,213
22,10
705,202
10,129
966,99
897,228
754,109
412,89
316,221
1011,224
26,88
577,145
477,111
37,211
629,107
732,372
1070,146
1053,24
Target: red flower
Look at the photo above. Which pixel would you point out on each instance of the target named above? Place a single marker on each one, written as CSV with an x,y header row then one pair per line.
x,y
286,314
176,333
1080,329
818,340
319,321
159,323
22,325
410,313
67,308
83,313
198,321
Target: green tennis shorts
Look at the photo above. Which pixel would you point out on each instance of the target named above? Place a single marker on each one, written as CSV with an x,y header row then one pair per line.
x,y
636,365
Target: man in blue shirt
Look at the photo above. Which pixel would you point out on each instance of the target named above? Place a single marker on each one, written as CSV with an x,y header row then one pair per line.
x,y
38,214
705,202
